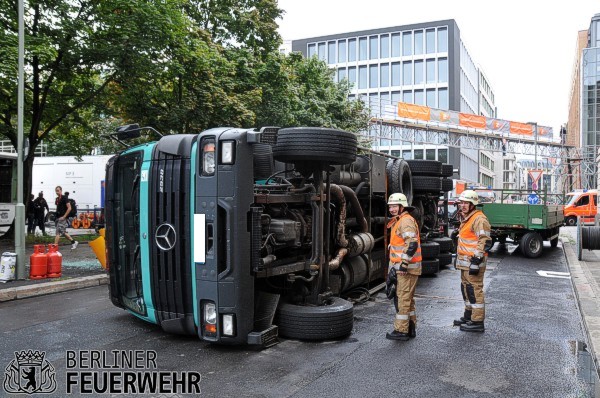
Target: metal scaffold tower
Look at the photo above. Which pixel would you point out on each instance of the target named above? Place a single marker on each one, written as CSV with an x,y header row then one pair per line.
x,y
569,168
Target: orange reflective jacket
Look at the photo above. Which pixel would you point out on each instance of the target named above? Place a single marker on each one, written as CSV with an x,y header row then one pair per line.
x,y
398,244
468,240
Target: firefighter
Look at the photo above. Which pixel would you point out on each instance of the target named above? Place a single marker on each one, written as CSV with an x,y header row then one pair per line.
x,y
473,242
404,266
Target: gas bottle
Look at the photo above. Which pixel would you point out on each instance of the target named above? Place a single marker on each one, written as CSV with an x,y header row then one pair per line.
x,y
54,262
38,263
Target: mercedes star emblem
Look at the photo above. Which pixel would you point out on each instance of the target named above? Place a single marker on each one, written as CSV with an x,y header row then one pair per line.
x,y
165,236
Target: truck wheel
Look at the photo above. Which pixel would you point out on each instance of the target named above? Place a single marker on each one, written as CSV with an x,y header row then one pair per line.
x,y
430,267
425,167
446,244
447,185
445,259
417,212
316,322
532,245
401,180
430,213
447,170
430,250
315,144
427,184
571,221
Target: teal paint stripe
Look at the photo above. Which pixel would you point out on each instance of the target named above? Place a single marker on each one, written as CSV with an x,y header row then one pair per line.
x,y
191,213
145,235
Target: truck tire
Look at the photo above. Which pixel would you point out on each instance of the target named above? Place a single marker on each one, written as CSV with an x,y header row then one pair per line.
x,y
446,244
447,170
315,144
417,212
430,250
425,167
400,179
430,267
447,185
571,221
316,322
427,184
445,259
531,245
430,213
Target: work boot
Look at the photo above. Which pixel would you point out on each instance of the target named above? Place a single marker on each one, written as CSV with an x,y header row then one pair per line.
x,y
412,330
396,335
472,326
461,321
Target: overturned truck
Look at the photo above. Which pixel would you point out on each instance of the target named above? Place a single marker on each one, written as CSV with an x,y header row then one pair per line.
x,y
238,236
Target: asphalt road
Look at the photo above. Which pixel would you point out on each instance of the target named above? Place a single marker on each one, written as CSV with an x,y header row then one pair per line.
x,y
529,348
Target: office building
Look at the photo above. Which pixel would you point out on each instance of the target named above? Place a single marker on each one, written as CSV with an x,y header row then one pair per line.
x,y
425,64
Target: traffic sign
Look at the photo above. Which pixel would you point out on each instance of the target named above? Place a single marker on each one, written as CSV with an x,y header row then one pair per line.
x,y
533,199
535,175
534,186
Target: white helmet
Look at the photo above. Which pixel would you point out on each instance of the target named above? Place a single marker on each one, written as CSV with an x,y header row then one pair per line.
x,y
398,199
469,196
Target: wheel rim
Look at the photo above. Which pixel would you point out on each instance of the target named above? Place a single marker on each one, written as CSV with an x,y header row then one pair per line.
x,y
535,245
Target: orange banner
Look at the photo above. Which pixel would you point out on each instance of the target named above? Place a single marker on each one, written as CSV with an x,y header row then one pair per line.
x,y
468,120
414,111
521,128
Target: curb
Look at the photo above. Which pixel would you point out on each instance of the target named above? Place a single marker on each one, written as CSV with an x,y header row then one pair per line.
x,y
585,289
40,289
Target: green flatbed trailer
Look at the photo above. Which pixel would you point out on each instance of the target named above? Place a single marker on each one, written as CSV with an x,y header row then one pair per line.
x,y
528,225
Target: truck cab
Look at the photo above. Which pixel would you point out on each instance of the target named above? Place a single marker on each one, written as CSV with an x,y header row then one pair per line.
x,y
581,204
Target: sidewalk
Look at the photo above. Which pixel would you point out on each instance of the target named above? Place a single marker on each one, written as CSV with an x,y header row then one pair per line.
x,y
80,268
585,276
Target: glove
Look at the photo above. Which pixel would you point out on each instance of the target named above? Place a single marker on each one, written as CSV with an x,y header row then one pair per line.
x,y
474,267
403,266
390,284
454,234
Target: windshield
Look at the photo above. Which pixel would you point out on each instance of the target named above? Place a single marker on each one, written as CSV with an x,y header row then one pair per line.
x,y
573,198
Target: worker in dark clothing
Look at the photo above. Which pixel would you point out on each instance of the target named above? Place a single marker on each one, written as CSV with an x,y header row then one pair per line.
x,y
30,216
40,207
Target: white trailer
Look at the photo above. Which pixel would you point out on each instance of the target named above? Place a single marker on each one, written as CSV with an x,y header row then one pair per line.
x,y
84,180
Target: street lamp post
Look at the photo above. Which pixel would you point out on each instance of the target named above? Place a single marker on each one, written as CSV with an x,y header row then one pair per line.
x,y
20,207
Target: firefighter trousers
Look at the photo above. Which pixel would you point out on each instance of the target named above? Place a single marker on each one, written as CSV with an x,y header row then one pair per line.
x,y
405,292
472,292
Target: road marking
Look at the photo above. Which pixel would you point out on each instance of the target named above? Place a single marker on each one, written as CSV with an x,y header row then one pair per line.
x,y
553,274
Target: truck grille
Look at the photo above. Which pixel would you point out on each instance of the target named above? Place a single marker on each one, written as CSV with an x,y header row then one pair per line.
x,y
169,198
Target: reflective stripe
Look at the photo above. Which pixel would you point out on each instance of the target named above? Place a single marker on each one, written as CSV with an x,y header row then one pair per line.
x,y
483,232
478,253
402,317
411,313
409,234
468,241
477,305
396,267
413,265
467,305
397,248
405,256
395,255
465,263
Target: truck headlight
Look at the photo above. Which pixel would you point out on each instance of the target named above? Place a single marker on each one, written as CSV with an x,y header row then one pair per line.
x,y
208,158
227,152
229,325
210,319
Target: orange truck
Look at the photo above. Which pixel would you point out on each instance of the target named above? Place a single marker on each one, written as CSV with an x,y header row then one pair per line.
x,y
581,204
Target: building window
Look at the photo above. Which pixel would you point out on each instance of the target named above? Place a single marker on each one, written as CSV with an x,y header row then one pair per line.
x,y
385,75
373,76
430,39
418,42
406,43
443,98
430,64
407,73
321,51
396,97
443,155
396,80
362,48
385,98
396,45
407,97
418,154
373,47
507,165
443,70
419,72
506,177
407,154
351,50
442,41
331,52
419,99
341,74
352,76
342,51
312,50
431,98
385,46
362,77
430,154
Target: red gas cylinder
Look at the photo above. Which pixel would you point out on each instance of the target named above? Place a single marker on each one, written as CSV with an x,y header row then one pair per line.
x,y
54,262
38,263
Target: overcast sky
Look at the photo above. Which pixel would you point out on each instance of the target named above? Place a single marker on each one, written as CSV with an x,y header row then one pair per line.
x,y
526,48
